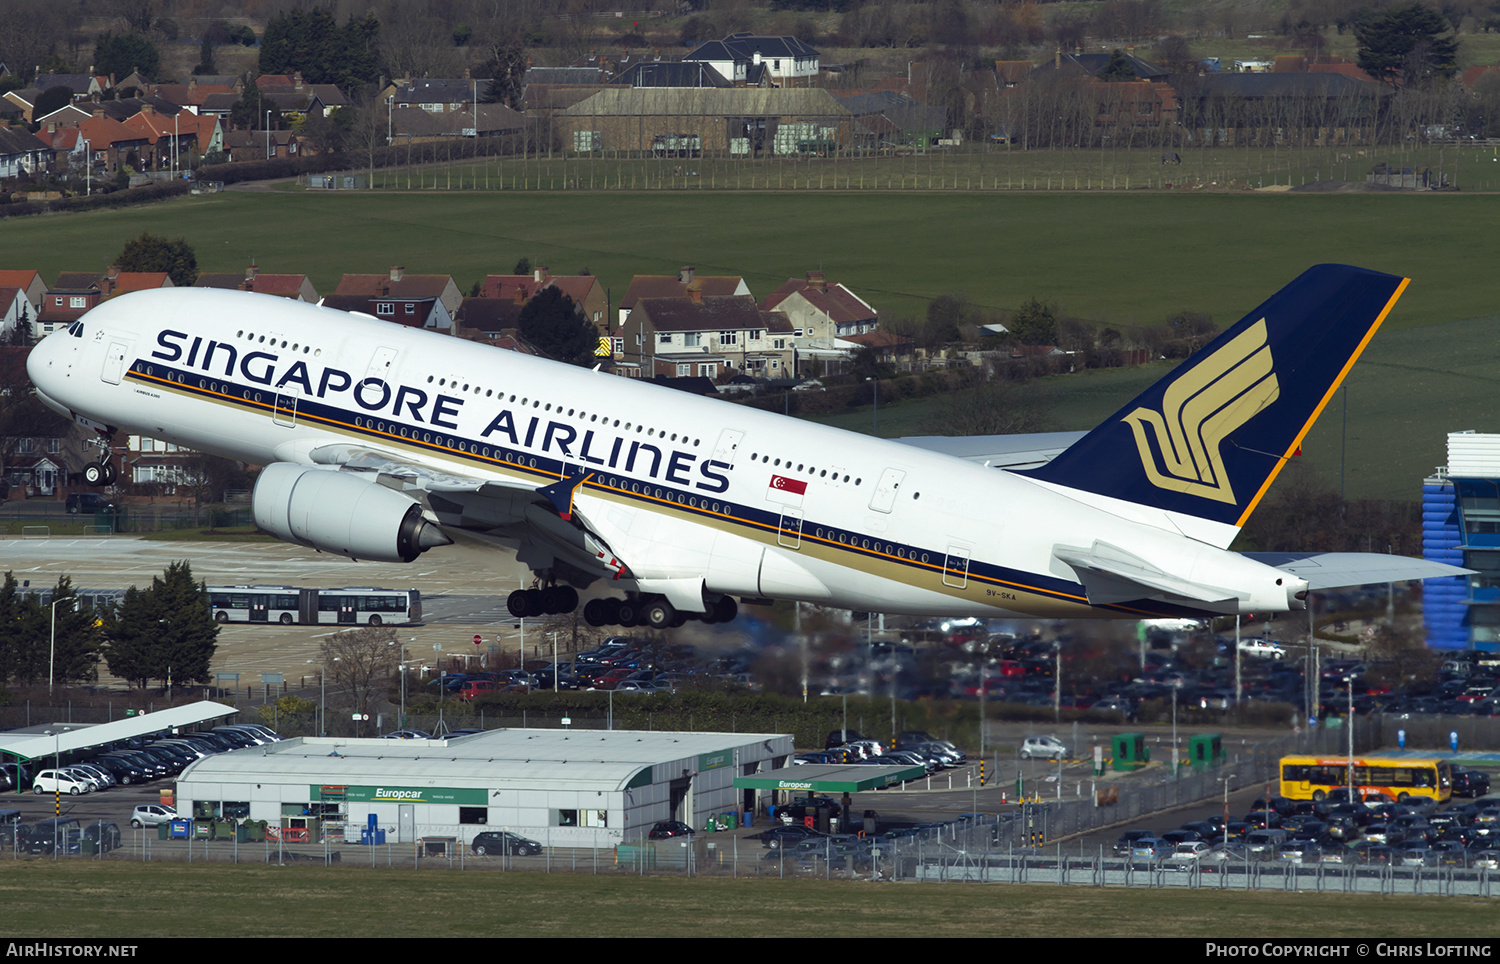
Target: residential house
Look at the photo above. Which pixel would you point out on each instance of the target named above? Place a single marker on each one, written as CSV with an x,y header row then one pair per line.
x,y
488,319
23,99
258,145
29,280
681,285
671,73
111,143
76,292
15,310
413,311
291,96
72,294
821,314
198,91
584,289
749,60
150,461
685,121
296,286
22,153
83,86
707,337
69,148
397,284
890,349
437,95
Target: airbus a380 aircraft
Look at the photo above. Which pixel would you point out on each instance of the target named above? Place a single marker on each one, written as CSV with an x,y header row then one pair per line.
x,y
381,442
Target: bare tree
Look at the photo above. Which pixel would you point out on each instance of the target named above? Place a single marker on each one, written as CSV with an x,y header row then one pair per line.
x,y
357,666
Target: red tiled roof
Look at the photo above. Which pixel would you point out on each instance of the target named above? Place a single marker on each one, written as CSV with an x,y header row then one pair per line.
x,y
126,281
668,286
410,286
833,300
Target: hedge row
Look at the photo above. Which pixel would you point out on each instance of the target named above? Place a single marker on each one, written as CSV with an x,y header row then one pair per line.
x,y
144,194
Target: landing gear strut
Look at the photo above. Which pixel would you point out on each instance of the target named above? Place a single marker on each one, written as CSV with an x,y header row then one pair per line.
x,y
101,472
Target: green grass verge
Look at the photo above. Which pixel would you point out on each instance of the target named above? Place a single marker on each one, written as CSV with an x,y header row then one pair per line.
x,y
125,900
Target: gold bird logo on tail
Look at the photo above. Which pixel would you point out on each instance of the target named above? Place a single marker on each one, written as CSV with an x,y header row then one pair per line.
x,y
1199,411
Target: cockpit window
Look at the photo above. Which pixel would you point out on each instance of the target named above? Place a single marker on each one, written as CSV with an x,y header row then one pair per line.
x,y
76,329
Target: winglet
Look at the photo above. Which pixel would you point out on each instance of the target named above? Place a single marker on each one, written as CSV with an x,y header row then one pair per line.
x,y
1209,438
561,492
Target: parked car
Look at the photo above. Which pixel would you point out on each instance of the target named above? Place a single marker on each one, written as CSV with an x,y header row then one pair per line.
x,y
86,502
504,842
60,781
1046,747
151,814
668,829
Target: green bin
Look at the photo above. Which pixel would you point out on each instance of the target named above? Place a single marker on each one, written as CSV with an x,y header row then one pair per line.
x,y
163,831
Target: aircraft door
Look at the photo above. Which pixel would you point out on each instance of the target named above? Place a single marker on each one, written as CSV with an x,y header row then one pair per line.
x,y
956,566
381,364
789,533
729,443
285,410
884,499
114,362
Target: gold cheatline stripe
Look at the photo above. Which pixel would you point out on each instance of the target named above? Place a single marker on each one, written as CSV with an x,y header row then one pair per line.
x,y
1318,409
765,527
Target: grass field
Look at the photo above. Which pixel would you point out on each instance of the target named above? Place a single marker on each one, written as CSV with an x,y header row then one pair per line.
x,y
1111,257
1118,258
123,900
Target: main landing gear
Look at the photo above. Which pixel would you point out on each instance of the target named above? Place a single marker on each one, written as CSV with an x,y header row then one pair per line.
x,y
652,610
636,609
542,602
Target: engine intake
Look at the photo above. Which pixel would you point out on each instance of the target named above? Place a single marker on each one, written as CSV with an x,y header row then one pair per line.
x,y
341,513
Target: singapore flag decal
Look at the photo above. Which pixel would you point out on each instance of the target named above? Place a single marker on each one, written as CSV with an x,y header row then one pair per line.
x,y
786,491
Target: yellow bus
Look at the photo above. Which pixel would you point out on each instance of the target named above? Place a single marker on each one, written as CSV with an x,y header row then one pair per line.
x,y
1401,777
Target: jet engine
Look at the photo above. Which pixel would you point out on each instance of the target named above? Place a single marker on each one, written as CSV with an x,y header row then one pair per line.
x,y
342,513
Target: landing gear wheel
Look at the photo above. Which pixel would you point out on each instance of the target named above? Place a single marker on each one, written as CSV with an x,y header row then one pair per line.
x,y
725,610
93,474
658,614
519,604
596,612
629,612
611,612
109,473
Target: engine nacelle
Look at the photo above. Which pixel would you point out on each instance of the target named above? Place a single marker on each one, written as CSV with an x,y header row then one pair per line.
x,y
342,513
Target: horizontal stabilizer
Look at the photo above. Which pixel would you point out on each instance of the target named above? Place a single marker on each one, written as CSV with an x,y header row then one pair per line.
x,y
1111,575
998,451
1339,570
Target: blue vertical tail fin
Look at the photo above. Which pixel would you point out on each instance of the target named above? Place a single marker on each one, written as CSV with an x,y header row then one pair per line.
x,y
1208,439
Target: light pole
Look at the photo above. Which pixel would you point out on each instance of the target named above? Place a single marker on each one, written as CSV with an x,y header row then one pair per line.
x,y
874,381
268,135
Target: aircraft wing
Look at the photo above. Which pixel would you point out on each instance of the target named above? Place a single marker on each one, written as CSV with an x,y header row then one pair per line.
x,y
1339,570
998,451
541,520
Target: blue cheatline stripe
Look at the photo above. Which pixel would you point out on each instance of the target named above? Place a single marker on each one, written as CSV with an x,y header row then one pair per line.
x,y
444,444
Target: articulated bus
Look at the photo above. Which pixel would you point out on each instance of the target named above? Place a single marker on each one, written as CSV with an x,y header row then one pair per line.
x,y
350,606
1401,777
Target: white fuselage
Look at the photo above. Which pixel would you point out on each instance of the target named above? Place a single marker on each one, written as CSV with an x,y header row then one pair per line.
x,y
681,486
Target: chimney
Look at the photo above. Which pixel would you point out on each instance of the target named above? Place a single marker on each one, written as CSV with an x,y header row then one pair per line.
x,y
397,271
297,79
520,295
695,292
816,280
685,275
539,275
250,273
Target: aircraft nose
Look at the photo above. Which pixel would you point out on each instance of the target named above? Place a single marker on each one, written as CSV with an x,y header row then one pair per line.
x,y
48,366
